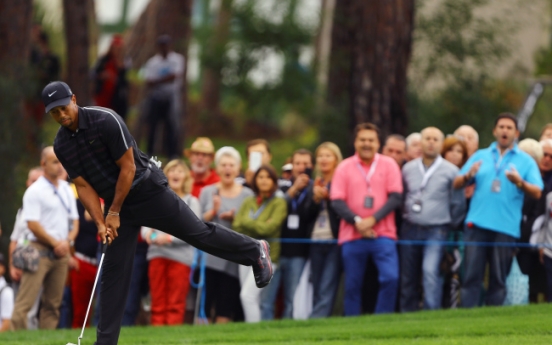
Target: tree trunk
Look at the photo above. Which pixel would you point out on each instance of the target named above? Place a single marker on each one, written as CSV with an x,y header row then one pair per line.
x,y
78,42
213,63
371,47
15,81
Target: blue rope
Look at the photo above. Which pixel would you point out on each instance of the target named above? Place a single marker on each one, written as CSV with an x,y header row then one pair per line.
x,y
199,260
422,243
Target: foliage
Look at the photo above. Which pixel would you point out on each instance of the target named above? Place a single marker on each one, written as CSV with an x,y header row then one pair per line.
x,y
254,39
489,326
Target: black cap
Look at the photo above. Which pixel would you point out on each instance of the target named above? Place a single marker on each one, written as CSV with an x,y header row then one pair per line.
x,y
55,94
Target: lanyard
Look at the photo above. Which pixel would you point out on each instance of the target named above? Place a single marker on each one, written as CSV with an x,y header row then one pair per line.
x,y
500,162
297,201
427,174
60,198
368,177
255,215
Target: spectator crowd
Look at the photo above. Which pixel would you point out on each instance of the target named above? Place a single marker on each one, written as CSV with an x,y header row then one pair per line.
x,y
423,222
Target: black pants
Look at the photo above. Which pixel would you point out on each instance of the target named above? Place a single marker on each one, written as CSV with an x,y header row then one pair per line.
x,y
160,110
154,205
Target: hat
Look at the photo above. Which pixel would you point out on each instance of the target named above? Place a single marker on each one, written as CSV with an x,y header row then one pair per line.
x,y
55,94
201,145
287,167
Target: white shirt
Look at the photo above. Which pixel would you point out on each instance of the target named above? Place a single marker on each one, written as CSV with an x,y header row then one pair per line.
x,y
157,67
6,301
20,229
54,208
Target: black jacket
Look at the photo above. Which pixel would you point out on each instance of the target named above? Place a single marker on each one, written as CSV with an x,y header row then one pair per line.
x,y
303,211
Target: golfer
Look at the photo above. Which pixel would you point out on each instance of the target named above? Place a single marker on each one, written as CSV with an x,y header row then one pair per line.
x,y
103,160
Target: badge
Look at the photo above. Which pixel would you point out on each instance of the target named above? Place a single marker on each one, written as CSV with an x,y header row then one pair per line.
x,y
293,222
417,206
495,188
368,202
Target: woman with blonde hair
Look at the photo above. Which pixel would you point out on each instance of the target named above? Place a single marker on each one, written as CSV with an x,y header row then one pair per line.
x,y
325,258
169,257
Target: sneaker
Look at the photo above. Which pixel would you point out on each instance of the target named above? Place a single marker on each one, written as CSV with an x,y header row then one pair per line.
x,y
262,269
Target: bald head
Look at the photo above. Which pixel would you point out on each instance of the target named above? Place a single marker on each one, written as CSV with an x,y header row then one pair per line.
x,y
470,137
50,164
48,151
432,142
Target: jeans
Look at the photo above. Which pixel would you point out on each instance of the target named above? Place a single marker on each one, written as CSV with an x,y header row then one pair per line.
x,y
291,270
425,259
325,268
383,252
476,257
548,268
269,294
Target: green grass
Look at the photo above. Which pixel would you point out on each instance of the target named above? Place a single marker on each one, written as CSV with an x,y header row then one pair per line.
x,y
505,325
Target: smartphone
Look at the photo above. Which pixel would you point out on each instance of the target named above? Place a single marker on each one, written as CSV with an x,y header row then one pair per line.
x,y
308,171
255,160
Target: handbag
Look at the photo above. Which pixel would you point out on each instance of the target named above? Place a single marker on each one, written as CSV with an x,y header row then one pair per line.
x,y
26,257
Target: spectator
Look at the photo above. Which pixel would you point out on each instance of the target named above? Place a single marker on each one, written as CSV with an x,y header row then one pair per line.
x,y
470,137
110,80
413,146
284,182
395,147
545,238
366,189
325,258
502,175
254,147
528,258
201,155
432,207
6,299
219,203
455,151
164,77
54,223
261,217
169,257
546,132
293,256
19,236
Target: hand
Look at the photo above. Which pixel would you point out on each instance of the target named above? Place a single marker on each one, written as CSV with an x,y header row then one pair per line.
x,y
112,224
216,203
15,273
301,182
474,169
105,235
370,233
228,215
541,255
320,193
162,239
513,175
147,238
365,224
74,264
61,248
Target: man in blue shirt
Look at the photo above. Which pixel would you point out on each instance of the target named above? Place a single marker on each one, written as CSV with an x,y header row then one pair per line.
x,y
502,175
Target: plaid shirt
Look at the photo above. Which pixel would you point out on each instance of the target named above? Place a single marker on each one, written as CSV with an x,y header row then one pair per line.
x,y
92,150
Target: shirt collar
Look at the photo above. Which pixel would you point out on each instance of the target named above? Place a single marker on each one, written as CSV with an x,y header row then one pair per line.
x,y
494,148
83,119
358,160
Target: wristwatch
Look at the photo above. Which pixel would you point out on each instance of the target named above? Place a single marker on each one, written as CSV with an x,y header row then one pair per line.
x,y
357,219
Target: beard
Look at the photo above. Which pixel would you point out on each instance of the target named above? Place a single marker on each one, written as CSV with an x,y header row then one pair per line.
x,y
199,168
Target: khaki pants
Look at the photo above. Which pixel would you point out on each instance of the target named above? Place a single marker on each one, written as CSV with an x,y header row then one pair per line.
x,y
51,275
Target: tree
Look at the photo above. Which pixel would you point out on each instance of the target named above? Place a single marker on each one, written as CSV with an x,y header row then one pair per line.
x,y
77,34
371,48
15,28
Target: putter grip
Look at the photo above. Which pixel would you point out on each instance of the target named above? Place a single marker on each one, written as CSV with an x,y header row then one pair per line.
x,y
104,247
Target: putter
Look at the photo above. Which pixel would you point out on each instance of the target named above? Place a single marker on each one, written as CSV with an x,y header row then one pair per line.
x,y
104,248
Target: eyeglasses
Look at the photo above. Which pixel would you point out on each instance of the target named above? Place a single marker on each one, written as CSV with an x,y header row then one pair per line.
x,y
547,155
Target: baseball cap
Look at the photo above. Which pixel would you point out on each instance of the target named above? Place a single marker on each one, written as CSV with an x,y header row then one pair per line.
x,y
55,94
287,167
201,145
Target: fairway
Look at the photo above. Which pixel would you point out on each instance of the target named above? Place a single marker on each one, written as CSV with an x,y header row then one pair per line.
x,y
506,325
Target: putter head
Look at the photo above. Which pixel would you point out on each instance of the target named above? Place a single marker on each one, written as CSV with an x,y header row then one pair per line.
x,y
70,344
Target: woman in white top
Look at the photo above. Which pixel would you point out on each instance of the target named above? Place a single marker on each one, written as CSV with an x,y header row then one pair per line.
x,y
169,257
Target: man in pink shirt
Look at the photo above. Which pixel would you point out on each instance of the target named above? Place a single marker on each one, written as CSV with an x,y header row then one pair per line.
x,y
366,189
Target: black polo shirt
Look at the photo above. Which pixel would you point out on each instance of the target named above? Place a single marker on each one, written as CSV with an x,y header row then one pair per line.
x,y
101,139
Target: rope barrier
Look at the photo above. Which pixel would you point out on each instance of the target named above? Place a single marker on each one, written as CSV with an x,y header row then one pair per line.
x,y
199,260
421,243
